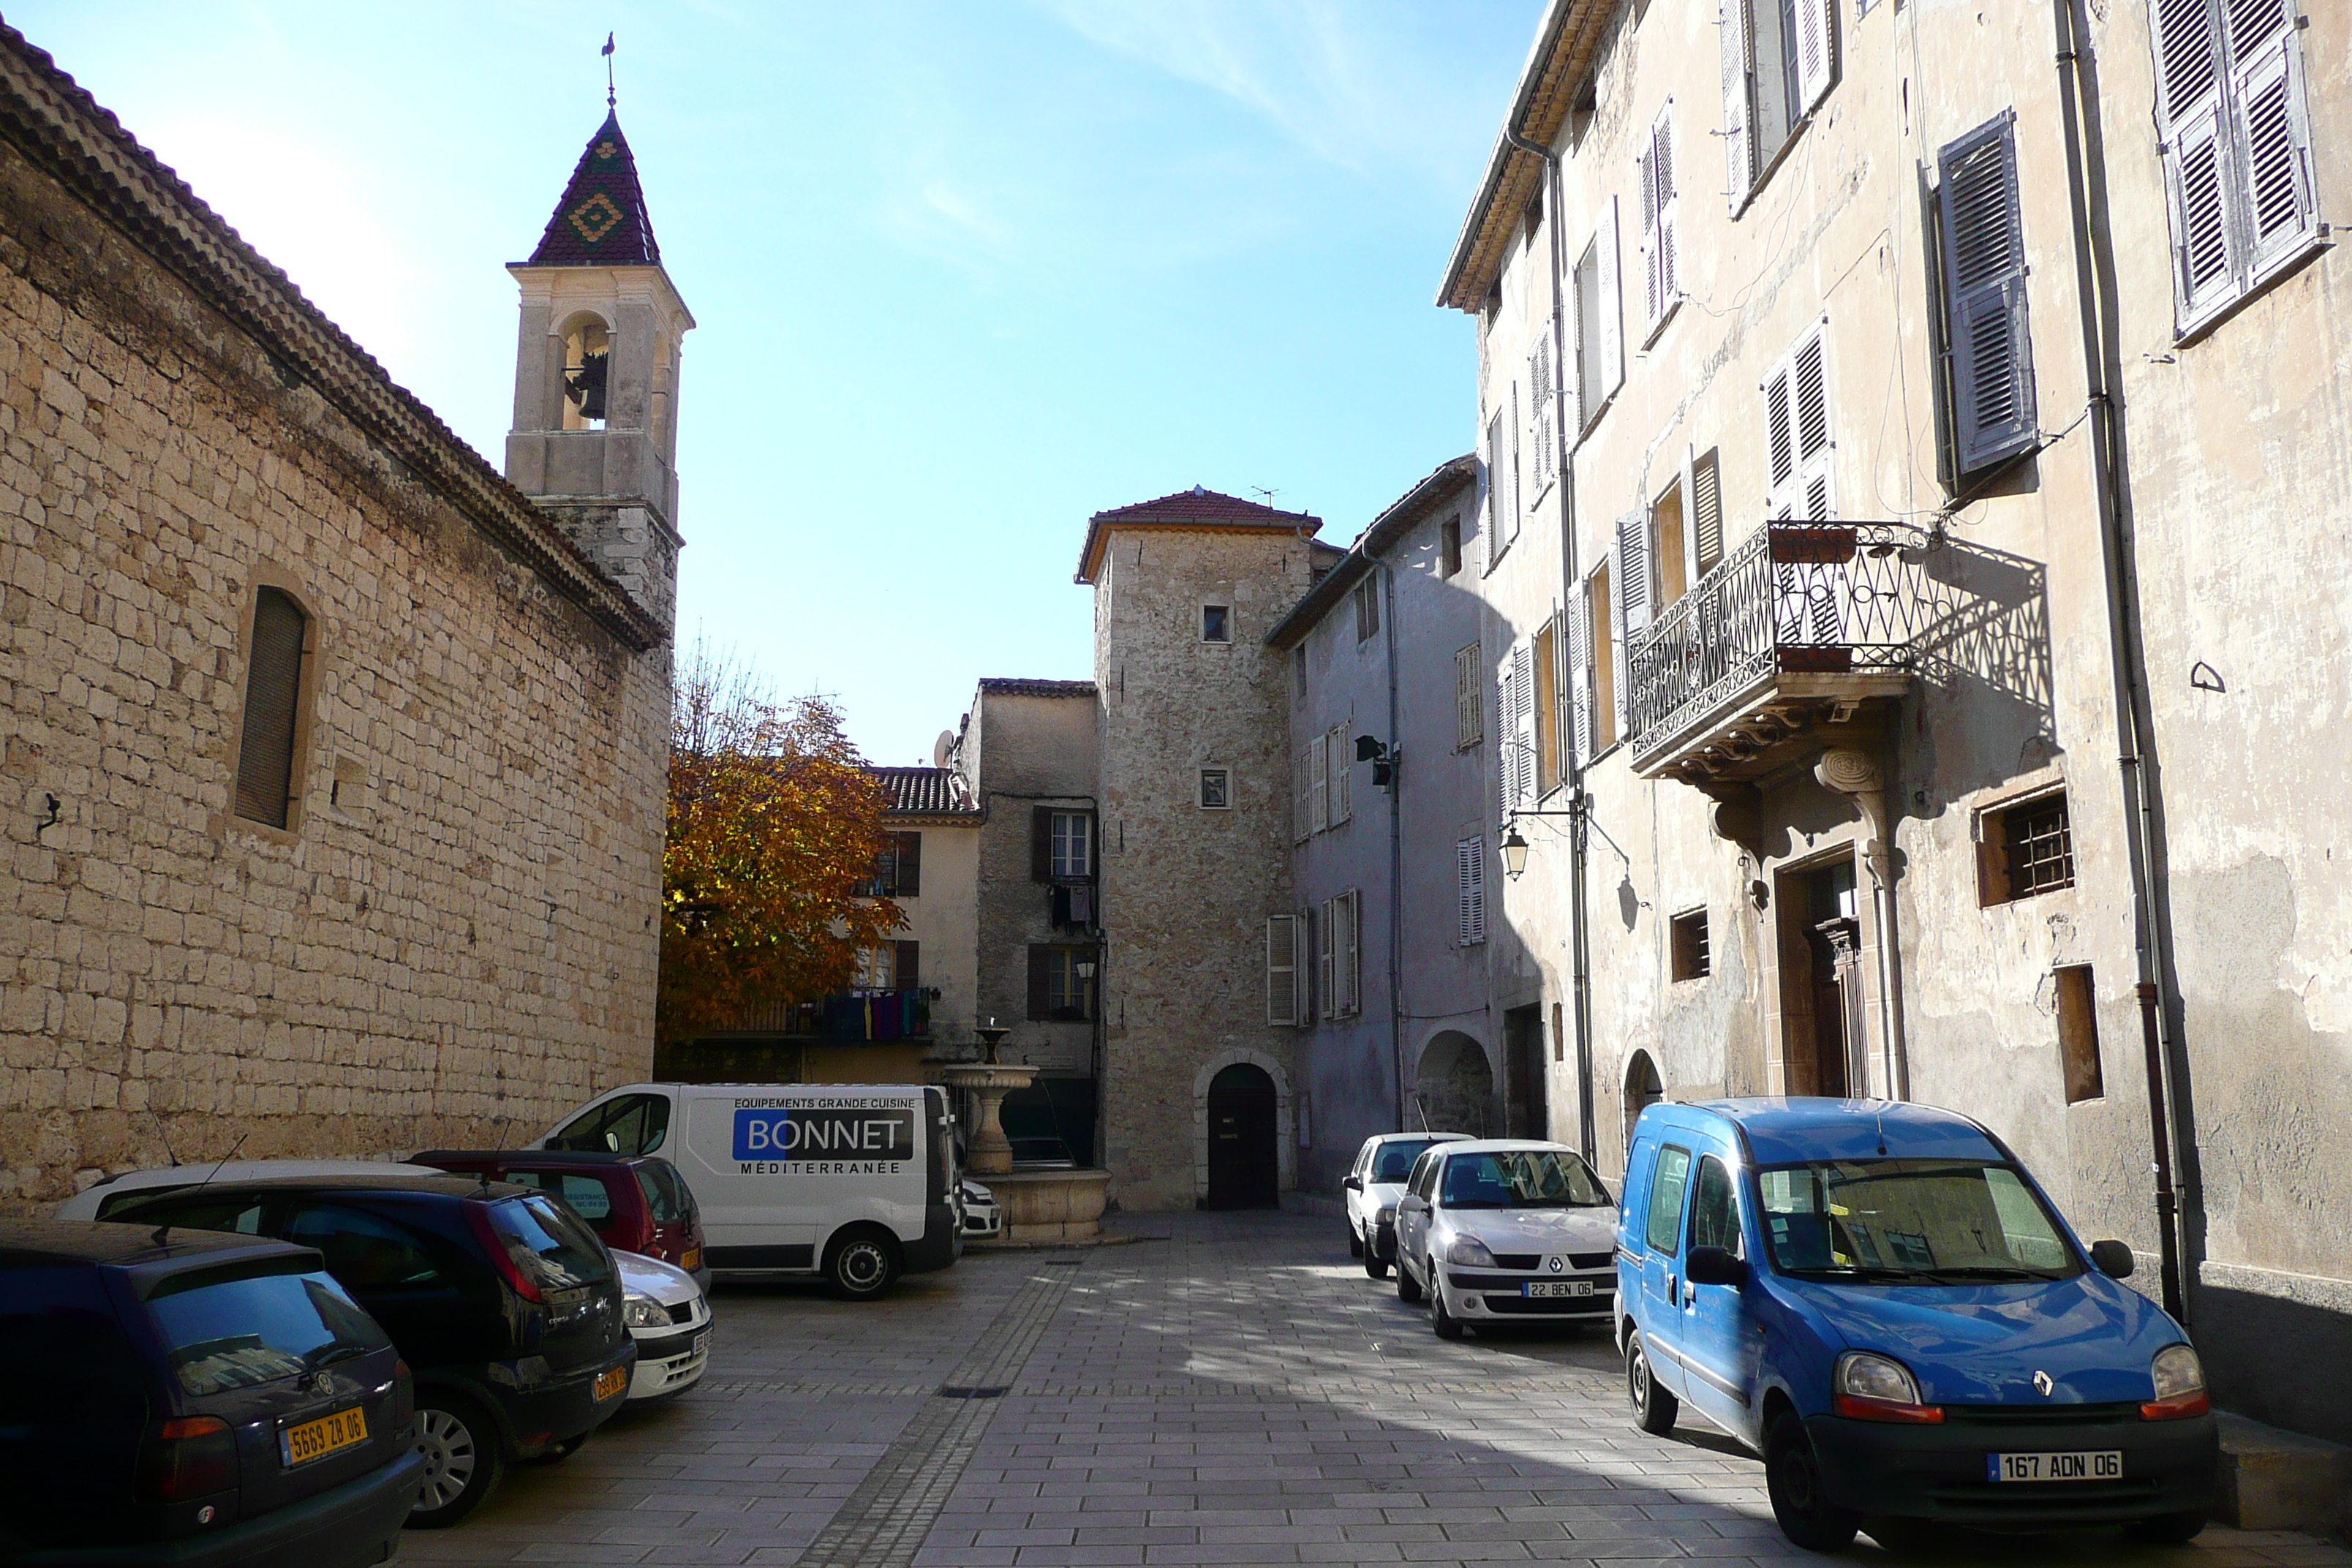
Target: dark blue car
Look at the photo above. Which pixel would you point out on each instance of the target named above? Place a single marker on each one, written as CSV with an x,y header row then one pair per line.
x,y
1881,1298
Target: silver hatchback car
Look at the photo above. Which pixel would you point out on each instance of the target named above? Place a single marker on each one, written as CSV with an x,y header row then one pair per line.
x,y
1506,1230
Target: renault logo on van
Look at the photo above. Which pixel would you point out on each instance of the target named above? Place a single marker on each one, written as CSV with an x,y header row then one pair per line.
x,y
2044,1384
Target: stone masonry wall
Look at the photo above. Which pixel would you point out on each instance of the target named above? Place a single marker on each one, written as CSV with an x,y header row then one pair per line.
x,y
453,939
1186,891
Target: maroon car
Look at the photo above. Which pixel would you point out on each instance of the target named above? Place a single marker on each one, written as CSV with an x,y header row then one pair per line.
x,y
635,1203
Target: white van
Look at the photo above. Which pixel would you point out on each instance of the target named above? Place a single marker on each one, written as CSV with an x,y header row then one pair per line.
x,y
853,1181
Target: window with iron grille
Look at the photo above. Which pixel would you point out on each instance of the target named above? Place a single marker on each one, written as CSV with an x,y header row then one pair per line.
x,y
2026,848
1690,956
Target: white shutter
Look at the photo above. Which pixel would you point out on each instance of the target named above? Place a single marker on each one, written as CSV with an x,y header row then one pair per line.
x,y
1632,579
1326,998
1647,177
1523,724
1613,309
1352,957
1619,634
1319,805
1580,673
1496,459
1582,376
1469,700
2273,133
1282,969
1539,424
1511,517
1505,753
1780,442
2198,181
1810,396
1816,52
1343,774
1470,885
1669,243
1738,100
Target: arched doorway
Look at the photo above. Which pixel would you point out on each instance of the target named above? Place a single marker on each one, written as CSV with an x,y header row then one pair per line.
x,y
1245,1155
1454,1089
1641,1089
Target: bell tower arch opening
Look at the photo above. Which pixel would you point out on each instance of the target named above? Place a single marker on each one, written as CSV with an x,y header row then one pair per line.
x,y
587,366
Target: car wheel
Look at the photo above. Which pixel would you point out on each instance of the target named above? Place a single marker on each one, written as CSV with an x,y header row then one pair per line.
x,y
1793,1478
1653,1408
464,1459
1447,1325
1408,1291
2168,1529
1373,1266
1354,1242
862,1262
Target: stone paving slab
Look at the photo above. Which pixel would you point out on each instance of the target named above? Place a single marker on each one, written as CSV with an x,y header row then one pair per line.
x,y
1237,1392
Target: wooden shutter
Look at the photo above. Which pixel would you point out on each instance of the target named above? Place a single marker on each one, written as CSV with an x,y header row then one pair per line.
x,y
1469,700
1319,768
1612,305
1511,471
1470,885
1302,823
907,883
1326,967
1660,286
906,964
1780,442
1816,54
1282,969
1738,101
1706,511
1496,458
2188,61
1809,396
1984,297
1523,724
273,695
1646,178
1351,957
1544,666
1041,844
2269,124
1041,980
1343,774
1634,574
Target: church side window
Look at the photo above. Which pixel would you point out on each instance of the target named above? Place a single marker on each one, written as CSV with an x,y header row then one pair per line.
x,y
273,692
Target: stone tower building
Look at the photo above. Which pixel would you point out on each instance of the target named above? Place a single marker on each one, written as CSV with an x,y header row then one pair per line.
x,y
1196,841
597,363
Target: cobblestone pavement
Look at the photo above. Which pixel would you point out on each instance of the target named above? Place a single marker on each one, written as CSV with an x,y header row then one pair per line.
x,y
1229,1390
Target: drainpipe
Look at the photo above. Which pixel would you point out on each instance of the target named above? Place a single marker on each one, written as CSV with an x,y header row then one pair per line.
x,y
1396,841
2133,723
1579,940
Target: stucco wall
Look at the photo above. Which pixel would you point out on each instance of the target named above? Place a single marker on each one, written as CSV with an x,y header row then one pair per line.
x,y
461,940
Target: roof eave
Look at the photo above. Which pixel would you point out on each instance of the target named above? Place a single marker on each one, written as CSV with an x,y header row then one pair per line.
x,y
1401,514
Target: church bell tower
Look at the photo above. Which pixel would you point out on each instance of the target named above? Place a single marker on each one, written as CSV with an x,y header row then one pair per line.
x,y
596,369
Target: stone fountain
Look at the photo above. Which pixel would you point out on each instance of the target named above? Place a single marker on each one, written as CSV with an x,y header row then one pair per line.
x,y
1038,1205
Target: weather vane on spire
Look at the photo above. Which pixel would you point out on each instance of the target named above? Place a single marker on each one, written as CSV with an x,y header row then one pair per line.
x,y
609,97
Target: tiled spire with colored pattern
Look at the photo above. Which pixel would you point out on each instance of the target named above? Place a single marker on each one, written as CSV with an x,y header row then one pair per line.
x,y
601,221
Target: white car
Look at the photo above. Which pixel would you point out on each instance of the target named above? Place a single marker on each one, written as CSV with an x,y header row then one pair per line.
x,y
1506,1230
982,1216
668,1316
94,1201
1372,1186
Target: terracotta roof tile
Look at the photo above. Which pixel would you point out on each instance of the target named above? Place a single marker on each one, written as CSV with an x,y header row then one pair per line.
x,y
1198,508
924,792
1015,685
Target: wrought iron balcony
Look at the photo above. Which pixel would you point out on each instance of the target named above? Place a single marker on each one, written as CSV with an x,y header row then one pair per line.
x,y
1802,622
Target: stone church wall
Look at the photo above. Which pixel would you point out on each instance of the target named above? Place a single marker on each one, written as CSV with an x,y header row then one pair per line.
x,y
453,942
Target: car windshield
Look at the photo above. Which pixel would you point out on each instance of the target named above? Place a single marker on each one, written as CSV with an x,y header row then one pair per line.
x,y
548,1243
258,1328
1392,1161
1929,1222
1521,1179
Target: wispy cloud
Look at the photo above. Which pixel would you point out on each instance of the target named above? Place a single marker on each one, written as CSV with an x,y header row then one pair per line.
x,y
1355,85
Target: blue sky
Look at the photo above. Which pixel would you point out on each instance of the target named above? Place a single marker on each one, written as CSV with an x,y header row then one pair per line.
x,y
965,272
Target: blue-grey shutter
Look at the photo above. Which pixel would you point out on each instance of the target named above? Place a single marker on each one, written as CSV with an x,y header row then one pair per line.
x,y
1984,297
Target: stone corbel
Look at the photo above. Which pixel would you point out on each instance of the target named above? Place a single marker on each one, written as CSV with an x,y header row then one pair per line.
x,y
1856,773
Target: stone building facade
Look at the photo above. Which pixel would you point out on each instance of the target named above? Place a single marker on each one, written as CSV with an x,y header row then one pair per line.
x,y
1876,454
334,770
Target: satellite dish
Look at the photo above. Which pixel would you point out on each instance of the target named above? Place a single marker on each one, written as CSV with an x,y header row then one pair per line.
x,y
943,748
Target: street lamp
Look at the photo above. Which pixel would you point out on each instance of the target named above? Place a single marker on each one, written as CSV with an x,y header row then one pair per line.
x,y
1515,853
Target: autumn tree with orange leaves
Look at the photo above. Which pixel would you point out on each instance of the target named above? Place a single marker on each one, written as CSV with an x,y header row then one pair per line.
x,y
774,824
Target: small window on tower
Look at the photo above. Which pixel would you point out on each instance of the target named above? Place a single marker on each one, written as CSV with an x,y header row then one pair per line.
x,y
1216,789
1216,622
587,355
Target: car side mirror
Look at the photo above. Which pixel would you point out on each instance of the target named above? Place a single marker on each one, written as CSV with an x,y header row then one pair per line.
x,y
1353,1184
1410,1201
2112,1258
1714,1265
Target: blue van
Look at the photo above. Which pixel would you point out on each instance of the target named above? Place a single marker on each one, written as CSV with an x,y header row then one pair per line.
x,y
1879,1298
